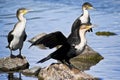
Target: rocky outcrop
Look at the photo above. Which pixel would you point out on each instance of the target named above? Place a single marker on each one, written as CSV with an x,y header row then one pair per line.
x,y
57,71
13,64
62,72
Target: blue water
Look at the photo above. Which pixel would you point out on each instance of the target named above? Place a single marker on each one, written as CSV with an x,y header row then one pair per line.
x,y
54,15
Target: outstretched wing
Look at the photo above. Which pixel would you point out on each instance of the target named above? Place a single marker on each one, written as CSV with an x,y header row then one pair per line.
x,y
51,40
76,24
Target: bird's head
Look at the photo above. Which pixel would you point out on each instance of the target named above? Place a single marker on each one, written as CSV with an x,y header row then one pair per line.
x,y
22,11
85,27
87,6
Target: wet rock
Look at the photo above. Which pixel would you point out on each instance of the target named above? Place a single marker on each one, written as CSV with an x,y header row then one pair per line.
x,y
13,64
31,72
88,58
62,72
105,33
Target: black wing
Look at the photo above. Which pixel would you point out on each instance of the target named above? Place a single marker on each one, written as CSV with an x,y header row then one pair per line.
x,y
25,36
10,37
90,30
74,37
51,40
76,24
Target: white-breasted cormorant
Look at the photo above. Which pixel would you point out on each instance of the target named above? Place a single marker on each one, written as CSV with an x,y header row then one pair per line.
x,y
17,36
67,49
84,18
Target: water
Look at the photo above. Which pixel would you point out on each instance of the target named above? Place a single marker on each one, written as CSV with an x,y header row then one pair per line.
x,y
54,15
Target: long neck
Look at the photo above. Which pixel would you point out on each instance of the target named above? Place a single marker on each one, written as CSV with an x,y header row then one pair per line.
x,y
83,41
20,26
82,36
85,13
21,18
85,16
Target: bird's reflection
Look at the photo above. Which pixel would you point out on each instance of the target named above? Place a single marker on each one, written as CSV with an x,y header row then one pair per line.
x,y
11,76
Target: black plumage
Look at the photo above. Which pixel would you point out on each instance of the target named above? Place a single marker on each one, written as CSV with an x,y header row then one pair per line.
x,y
67,49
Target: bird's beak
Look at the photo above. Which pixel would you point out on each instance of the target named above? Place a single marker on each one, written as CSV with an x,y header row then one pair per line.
x,y
27,10
91,8
89,26
30,10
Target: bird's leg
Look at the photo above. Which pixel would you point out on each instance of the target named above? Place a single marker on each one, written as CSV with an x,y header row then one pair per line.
x,y
11,55
19,55
70,65
63,62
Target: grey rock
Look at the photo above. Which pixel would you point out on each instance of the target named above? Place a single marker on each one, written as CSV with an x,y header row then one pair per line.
x,y
13,64
62,72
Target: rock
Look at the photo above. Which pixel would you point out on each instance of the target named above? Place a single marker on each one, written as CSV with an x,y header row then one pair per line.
x,y
13,64
88,58
31,72
105,33
62,72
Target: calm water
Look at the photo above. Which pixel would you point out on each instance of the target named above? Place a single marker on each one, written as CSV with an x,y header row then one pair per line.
x,y
54,15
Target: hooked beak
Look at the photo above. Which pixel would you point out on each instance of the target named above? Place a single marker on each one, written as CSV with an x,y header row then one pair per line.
x,y
92,8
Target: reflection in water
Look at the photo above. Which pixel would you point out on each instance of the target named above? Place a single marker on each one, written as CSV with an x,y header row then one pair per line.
x,y
12,77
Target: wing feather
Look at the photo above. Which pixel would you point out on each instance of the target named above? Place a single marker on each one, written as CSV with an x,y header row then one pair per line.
x,y
51,40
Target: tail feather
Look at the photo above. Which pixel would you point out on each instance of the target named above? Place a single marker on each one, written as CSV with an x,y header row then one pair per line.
x,y
44,59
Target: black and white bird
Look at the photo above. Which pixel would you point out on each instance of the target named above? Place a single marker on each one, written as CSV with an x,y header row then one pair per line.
x,y
84,18
17,36
67,50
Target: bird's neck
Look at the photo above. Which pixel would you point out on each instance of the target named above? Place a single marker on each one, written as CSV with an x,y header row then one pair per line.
x,y
85,16
20,26
21,18
82,36
83,41
85,13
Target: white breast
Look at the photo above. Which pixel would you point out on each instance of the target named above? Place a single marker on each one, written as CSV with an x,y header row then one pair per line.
x,y
17,41
84,17
83,42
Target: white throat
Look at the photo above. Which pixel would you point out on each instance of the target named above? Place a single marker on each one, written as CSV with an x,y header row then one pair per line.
x,y
83,42
84,17
20,26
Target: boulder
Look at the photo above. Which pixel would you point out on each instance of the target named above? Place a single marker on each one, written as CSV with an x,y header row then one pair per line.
x,y
58,71
13,64
88,58
105,33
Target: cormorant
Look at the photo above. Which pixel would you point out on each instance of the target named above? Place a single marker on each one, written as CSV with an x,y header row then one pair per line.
x,y
67,49
17,36
84,18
